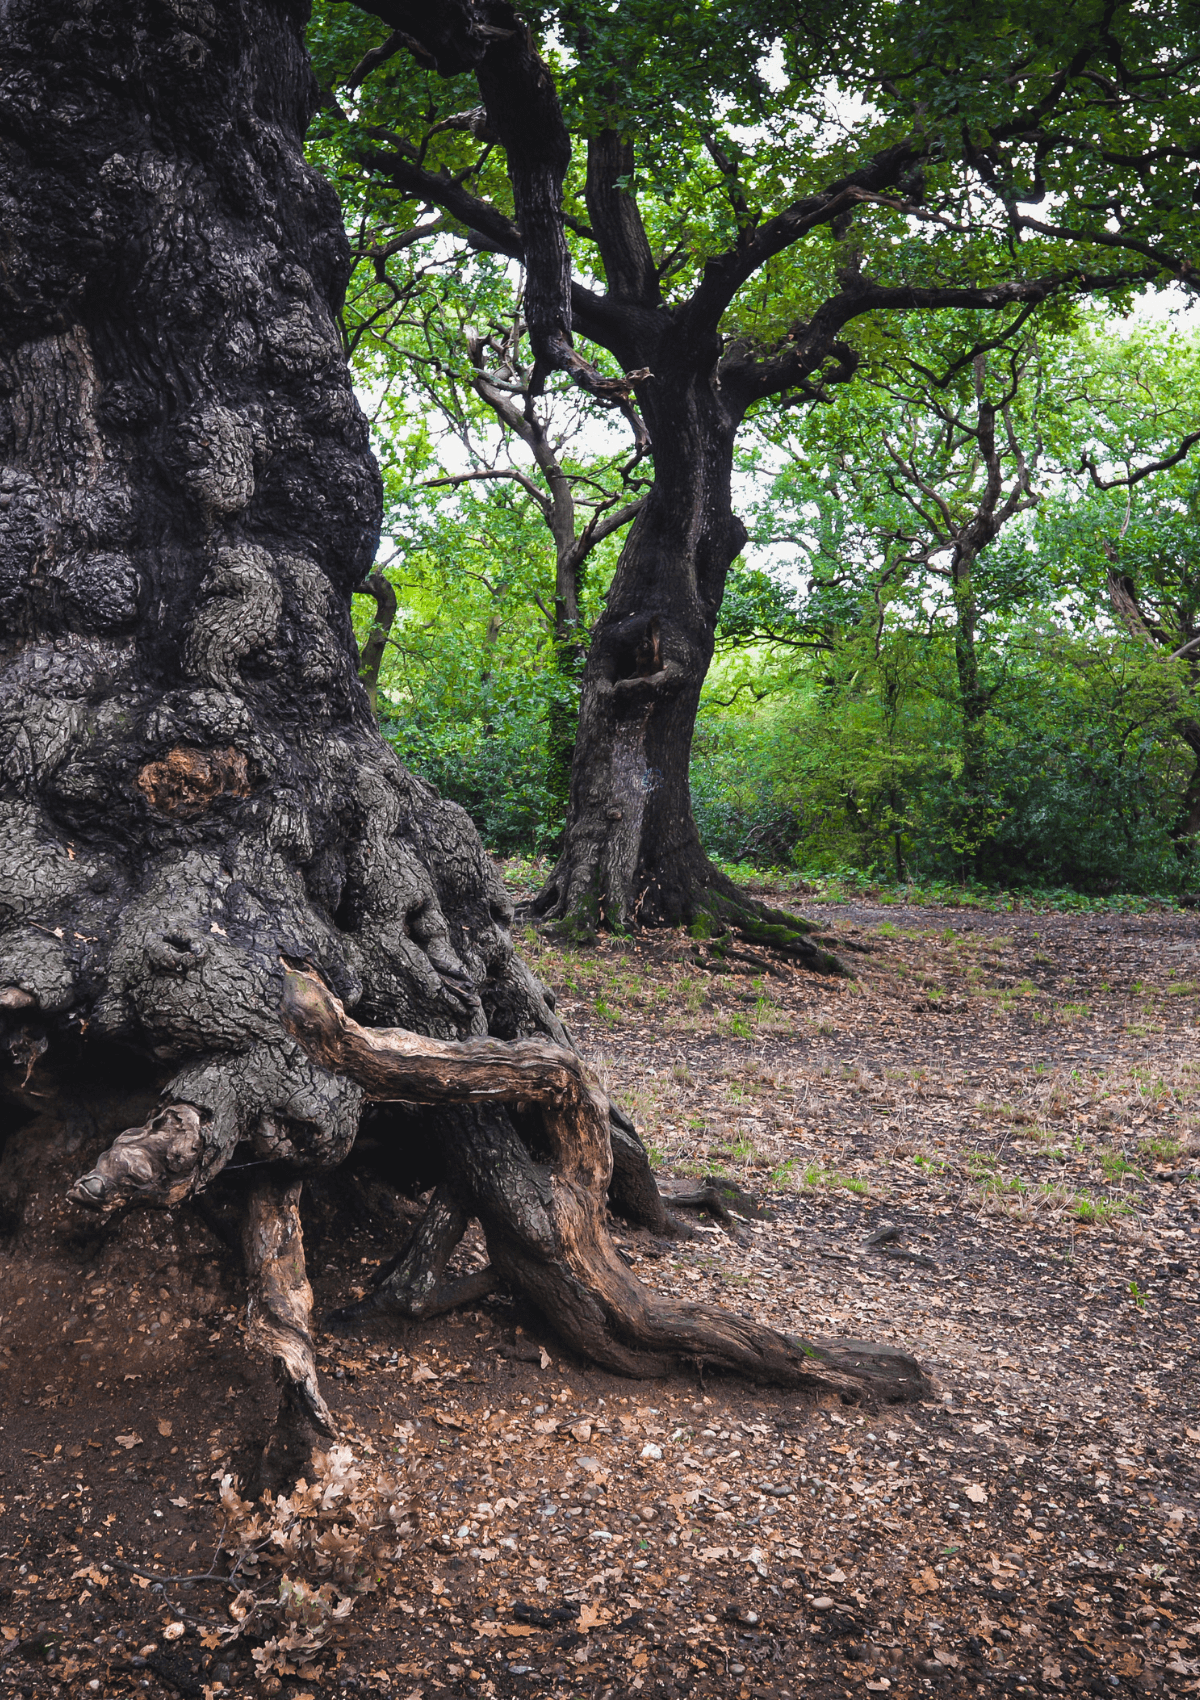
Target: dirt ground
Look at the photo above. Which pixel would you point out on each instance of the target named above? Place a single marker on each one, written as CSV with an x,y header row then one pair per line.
x,y
982,1147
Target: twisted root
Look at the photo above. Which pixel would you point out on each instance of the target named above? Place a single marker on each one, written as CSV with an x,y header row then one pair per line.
x,y
545,1219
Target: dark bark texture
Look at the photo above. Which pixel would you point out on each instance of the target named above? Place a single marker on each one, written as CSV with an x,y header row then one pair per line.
x,y
195,801
193,786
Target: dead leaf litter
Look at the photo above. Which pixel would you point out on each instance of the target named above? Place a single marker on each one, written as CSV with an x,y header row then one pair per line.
x,y
983,1147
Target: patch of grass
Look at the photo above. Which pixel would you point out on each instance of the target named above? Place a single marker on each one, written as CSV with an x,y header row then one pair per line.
x,y
1116,1166
981,1162
1010,1186
815,1176
606,1012
1093,1211
1160,1148
848,885
694,992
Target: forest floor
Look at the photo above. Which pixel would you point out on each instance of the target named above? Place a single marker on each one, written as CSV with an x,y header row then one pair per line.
x,y
1016,1096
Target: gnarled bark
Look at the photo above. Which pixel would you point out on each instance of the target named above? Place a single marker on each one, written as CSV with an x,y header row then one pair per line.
x,y
191,782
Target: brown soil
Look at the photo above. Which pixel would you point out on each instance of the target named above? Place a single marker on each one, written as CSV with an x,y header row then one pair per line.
x,y
1015,1095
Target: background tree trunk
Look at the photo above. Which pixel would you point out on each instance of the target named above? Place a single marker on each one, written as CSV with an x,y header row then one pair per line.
x,y
631,850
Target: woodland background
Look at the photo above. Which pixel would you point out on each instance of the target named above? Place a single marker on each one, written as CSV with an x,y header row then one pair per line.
x,y
874,711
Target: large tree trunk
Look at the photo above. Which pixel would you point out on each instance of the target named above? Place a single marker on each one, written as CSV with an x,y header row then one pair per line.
x,y
195,798
631,852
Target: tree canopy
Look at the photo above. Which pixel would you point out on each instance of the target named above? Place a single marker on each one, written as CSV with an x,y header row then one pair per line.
x,y
932,151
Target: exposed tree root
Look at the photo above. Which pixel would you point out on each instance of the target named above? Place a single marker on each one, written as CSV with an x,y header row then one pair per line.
x,y
280,1304
632,1192
732,911
540,1199
696,894
717,1199
155,1165
413,1287
159,1165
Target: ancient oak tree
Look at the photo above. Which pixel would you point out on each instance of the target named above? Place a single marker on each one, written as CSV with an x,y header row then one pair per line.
x,y
207,853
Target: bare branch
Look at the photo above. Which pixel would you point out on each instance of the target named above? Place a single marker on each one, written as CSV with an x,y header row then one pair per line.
x,y
510,472
377,56
1088,465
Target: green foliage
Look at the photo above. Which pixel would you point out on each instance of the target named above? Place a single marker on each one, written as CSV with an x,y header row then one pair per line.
x,y
838,730
469,677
